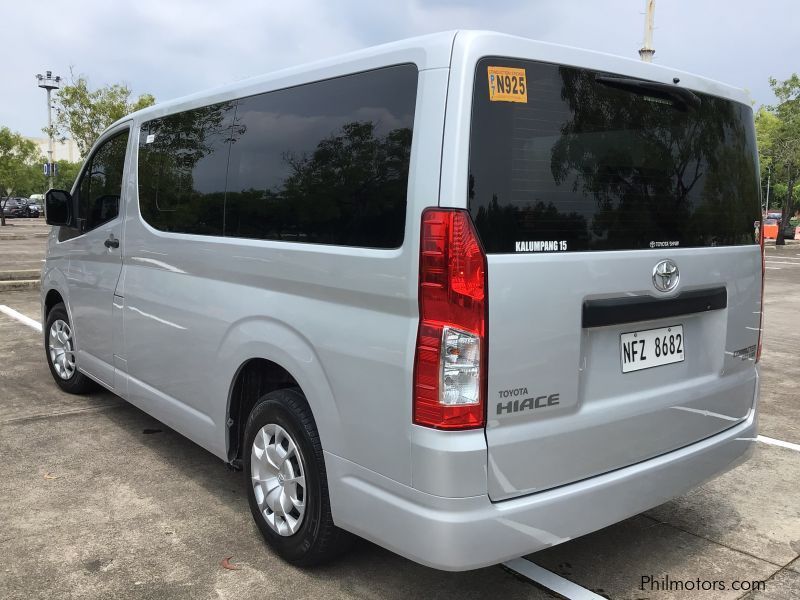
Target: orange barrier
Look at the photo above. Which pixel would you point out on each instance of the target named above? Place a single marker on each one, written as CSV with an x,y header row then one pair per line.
x,y
771,232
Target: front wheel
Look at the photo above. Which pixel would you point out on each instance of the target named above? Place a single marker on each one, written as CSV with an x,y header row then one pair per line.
x,y
59,346
288,490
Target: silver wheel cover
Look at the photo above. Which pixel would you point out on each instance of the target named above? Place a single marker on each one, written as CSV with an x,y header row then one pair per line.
x,y
277,472
61,348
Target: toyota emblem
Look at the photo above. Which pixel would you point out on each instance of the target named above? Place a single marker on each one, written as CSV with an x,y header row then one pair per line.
x,y
666,276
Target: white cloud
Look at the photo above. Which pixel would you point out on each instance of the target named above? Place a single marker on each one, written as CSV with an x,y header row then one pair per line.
x,y
182,46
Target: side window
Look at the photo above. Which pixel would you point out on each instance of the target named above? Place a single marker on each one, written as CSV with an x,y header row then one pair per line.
x,y
326,162
182,163
100,187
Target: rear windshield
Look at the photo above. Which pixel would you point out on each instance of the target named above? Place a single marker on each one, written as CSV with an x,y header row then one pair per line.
x,y
565,159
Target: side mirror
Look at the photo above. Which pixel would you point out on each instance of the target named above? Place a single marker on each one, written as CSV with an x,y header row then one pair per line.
x,y
58,207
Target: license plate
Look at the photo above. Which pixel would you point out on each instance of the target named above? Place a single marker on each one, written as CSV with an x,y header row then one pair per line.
x,y
651,348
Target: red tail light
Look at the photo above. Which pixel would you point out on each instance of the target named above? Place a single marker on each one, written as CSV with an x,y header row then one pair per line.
x,y
450,361
761,308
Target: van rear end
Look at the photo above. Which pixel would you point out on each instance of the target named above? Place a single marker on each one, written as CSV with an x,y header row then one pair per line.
x,y
619,217
590,300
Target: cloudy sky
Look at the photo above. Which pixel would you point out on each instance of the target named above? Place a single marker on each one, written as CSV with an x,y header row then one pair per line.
x,y
174,47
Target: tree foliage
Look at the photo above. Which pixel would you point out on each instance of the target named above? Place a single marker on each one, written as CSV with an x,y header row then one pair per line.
x,y
778,134
66,175
19,158
82,113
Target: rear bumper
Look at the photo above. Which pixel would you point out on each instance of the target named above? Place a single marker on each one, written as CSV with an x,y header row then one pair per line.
x,y
466,533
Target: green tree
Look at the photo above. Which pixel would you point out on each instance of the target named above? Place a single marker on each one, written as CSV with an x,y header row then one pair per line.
x,y
32,179
67,173
778,134
82,113
19,158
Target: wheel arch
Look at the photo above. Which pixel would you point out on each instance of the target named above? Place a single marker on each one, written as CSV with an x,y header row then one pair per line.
x,y
258,366
52,298
254,378
54,289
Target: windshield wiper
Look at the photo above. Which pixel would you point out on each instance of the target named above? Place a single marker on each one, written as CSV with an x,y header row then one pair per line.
x,y
639,86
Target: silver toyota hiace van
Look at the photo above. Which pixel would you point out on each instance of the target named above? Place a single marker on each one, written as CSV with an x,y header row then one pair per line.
x,y
467,295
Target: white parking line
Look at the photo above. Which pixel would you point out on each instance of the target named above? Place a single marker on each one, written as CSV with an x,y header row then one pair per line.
x,y
781,443
20,317
781,262
550,580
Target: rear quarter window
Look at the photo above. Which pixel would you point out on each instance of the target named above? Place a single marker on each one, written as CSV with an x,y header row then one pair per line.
x,y
326,162
581,165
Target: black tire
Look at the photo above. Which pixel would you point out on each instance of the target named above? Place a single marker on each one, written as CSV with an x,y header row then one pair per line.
x,y
317,540
78,383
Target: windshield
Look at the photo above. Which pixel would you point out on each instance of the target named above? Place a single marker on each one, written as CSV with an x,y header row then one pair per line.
x,y
570,159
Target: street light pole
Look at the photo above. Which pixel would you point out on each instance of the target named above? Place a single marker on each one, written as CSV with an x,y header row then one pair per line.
x,y
769,176
49,83
646,51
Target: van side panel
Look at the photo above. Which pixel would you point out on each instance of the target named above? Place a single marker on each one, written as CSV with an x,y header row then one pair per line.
x,y
341,320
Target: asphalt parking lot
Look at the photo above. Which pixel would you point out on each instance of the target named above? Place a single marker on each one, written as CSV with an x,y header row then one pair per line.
x,y
100,500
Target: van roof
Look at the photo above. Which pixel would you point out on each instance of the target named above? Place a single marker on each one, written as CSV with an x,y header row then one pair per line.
x,y
436,51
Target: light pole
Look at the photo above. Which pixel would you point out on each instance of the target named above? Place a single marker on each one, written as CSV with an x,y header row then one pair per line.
x,y
769,176
646,52
49,83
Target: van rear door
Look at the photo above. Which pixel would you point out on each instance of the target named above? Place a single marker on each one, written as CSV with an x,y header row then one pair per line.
x,y
619,218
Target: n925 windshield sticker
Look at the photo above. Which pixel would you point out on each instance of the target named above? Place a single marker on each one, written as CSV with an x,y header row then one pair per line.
x,y
507,85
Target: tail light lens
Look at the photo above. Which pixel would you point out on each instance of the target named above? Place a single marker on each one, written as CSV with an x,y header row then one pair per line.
x,y
450,361
761,308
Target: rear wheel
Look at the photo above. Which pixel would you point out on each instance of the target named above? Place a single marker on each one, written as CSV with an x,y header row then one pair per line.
x,y
288,489
59,346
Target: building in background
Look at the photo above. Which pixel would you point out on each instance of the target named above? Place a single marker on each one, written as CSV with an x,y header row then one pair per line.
x,y
62,150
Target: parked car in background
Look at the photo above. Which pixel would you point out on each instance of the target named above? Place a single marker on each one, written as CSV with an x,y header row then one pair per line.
x,y
34,209
13,207
790,228
20,208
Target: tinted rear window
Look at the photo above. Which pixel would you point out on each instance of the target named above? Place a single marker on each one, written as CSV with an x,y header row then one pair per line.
x,y
584,164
